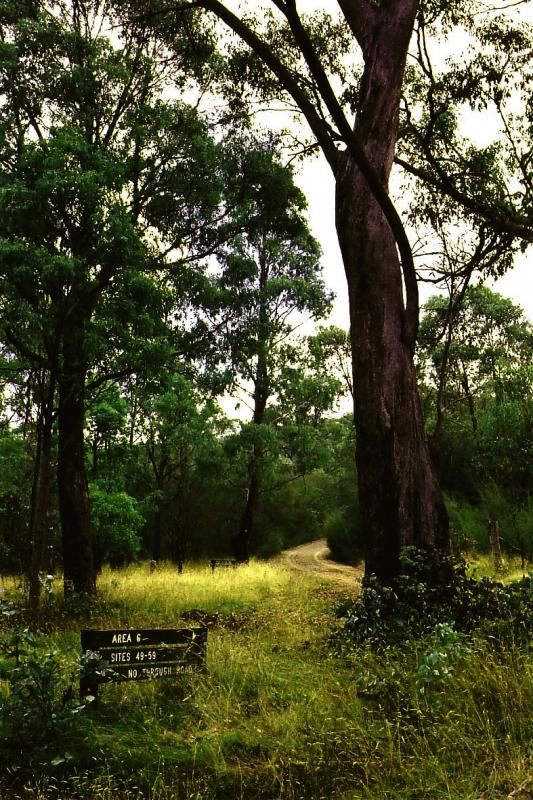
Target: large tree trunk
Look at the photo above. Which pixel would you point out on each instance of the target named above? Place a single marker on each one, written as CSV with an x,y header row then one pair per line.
x,y
400,500
78,562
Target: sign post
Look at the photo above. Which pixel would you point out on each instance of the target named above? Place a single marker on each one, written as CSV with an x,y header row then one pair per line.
x,y
137,655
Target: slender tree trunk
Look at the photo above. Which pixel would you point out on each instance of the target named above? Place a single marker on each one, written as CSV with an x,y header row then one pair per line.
x,y
443,377
41,505
455,300
178,539
400,500
78,560
157,535
94,469
161,475
241,541
469,398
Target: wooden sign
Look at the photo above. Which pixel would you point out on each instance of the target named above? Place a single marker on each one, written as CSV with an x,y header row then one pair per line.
x,y
222,562
137,655
227,562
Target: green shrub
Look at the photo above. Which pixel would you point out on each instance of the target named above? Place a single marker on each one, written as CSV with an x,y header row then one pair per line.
x,y
38,687
426,596
515,518
447,648
344,534
271,544
468,525
116,523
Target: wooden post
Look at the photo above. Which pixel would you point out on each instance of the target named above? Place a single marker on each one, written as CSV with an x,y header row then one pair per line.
x,y
494,535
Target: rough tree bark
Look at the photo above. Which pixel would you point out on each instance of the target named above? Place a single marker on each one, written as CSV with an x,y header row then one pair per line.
x,y
399,494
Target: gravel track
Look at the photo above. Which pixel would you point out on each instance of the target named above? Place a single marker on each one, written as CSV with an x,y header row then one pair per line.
x,y
313,559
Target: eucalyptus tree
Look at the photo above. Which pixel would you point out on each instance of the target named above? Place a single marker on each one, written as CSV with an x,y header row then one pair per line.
x,y
29,390
331,347
478,377
309,390
471,195
487,351
305,60
478,381
466,135
269,281
105,190
176,428
16,473
289,447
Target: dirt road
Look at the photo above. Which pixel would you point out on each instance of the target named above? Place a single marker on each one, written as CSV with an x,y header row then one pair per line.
x,y
313,558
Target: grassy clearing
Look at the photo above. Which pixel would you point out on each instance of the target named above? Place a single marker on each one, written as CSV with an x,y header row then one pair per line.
x,y
483,567
278,715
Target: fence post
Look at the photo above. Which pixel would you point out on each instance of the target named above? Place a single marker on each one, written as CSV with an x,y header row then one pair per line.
x,y
494,535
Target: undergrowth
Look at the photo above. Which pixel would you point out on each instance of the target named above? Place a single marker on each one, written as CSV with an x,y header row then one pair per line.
x,y
288,709
426,595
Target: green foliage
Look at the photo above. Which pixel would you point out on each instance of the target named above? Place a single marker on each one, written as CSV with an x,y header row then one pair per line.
x,y
427,595
475,361
448,647
469,521
15,492
490,76
505,443
339,507
116,523
468,525
344,533
38,684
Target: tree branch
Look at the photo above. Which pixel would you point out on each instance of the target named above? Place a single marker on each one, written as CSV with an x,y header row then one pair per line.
x,y
322,134
442,183
288,82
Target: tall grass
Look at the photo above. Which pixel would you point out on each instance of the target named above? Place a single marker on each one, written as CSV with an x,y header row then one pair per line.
x,y
278,715
482,566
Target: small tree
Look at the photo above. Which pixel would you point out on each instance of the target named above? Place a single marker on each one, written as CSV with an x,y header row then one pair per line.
x,y
270,277
116,523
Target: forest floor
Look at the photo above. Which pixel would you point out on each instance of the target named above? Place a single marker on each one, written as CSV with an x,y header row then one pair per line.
x,y
287,708
312,558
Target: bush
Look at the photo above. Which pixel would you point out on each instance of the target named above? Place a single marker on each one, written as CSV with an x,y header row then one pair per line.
x,y
271,544
468,525
343,535
424,597
116,523
38,704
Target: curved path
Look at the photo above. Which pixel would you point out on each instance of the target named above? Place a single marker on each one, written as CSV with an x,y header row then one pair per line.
x,y
313,558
